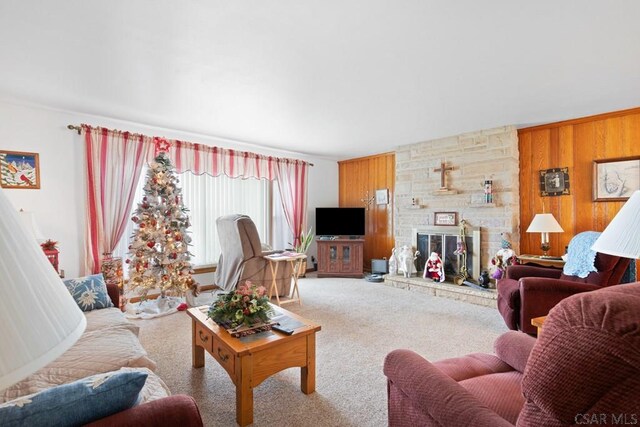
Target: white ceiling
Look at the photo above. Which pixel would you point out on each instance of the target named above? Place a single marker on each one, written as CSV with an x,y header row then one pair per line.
x,y
331,78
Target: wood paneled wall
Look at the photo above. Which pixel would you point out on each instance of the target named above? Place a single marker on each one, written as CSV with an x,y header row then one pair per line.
x,y
574,144
356,177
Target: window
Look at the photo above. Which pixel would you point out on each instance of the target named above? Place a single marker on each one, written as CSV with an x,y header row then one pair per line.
x,y
208,198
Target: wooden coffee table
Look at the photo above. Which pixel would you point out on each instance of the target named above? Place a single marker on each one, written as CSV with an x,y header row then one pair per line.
x,y
249,362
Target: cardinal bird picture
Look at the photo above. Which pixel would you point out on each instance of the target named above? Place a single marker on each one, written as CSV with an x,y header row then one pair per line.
x,y
26,180
19,170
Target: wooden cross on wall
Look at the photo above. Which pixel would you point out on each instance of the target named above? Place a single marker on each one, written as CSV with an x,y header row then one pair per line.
x,y
443,169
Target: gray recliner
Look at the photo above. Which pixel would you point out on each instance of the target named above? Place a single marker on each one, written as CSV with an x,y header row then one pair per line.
x,y
242,257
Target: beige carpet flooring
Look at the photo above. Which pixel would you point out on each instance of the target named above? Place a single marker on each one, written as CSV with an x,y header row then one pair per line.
x,y
361,322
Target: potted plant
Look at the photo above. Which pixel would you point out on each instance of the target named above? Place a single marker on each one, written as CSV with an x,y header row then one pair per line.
x,y
304,241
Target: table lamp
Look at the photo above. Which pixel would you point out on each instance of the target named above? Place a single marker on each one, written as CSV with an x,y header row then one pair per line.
x,y
40,320
544,223
622,235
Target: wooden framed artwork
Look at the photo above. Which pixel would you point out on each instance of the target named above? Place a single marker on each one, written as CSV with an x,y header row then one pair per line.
x,y
554,182
615,179
445,218
19,170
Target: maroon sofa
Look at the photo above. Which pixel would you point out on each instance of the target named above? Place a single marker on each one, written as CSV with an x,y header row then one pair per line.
x,y
177,410
527,292
585,364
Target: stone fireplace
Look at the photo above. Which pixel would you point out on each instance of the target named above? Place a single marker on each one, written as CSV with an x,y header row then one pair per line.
x,y
470,159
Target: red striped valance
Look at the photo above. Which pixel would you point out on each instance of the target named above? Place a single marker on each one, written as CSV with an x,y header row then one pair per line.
x,y
204,159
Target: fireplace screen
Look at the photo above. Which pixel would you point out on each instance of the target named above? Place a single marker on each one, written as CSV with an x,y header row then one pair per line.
x,y
444,241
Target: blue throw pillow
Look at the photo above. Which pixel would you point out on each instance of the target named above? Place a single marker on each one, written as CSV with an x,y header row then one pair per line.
x,y
76,403
90,292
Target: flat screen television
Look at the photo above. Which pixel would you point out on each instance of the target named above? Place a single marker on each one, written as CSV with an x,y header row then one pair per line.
x,y
340,222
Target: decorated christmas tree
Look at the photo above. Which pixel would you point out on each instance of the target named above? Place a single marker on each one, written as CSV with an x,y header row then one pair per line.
x,y
159,257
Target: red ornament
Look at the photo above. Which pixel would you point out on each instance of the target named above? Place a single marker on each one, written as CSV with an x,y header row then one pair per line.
x,y
134,219
178,237
151,244
143,225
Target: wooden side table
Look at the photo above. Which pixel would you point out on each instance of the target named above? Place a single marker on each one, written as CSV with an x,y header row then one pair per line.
x,y
295,261
540,260
538,322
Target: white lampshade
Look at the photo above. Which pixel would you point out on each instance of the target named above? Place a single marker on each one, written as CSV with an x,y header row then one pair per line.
x,y
29,221
544,223
39,319
622,236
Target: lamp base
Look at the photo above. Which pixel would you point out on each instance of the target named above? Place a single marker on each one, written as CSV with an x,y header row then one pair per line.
x,y
545,246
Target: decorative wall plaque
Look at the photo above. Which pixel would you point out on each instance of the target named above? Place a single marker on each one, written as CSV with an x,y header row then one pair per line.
x,y
554,182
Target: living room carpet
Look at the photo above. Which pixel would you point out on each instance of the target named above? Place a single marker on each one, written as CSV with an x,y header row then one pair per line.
x,y
361,322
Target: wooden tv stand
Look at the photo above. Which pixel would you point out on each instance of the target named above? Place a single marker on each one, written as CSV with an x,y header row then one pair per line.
x,y
340,257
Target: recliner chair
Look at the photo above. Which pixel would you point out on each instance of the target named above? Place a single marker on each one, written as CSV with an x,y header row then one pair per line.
x,y
242,257
585,364
527,292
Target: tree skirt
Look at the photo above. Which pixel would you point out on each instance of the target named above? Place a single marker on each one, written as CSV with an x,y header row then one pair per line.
x,y
151,308
203,298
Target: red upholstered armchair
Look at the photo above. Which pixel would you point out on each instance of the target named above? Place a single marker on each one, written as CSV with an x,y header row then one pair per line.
x,y
584,366
527,292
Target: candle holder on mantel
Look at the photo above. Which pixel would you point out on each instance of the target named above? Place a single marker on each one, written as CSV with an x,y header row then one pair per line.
x,y
111,269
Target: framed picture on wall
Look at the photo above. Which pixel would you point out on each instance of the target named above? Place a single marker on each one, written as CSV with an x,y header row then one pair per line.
x,y
19,170
554,182
615,179
445,218
382,196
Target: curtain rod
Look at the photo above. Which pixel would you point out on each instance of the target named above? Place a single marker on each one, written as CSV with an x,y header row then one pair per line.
x,y
79,129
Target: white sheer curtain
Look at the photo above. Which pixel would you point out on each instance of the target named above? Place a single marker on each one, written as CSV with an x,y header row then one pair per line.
x,y
210,197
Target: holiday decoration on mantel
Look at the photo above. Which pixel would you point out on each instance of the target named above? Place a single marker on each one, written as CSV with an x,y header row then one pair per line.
x,y
159,254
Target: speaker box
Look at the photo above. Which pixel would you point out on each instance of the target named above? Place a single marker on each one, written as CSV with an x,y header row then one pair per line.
x,y
379,266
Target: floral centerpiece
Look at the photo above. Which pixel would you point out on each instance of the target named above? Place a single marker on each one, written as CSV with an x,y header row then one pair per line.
x,y
244,311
